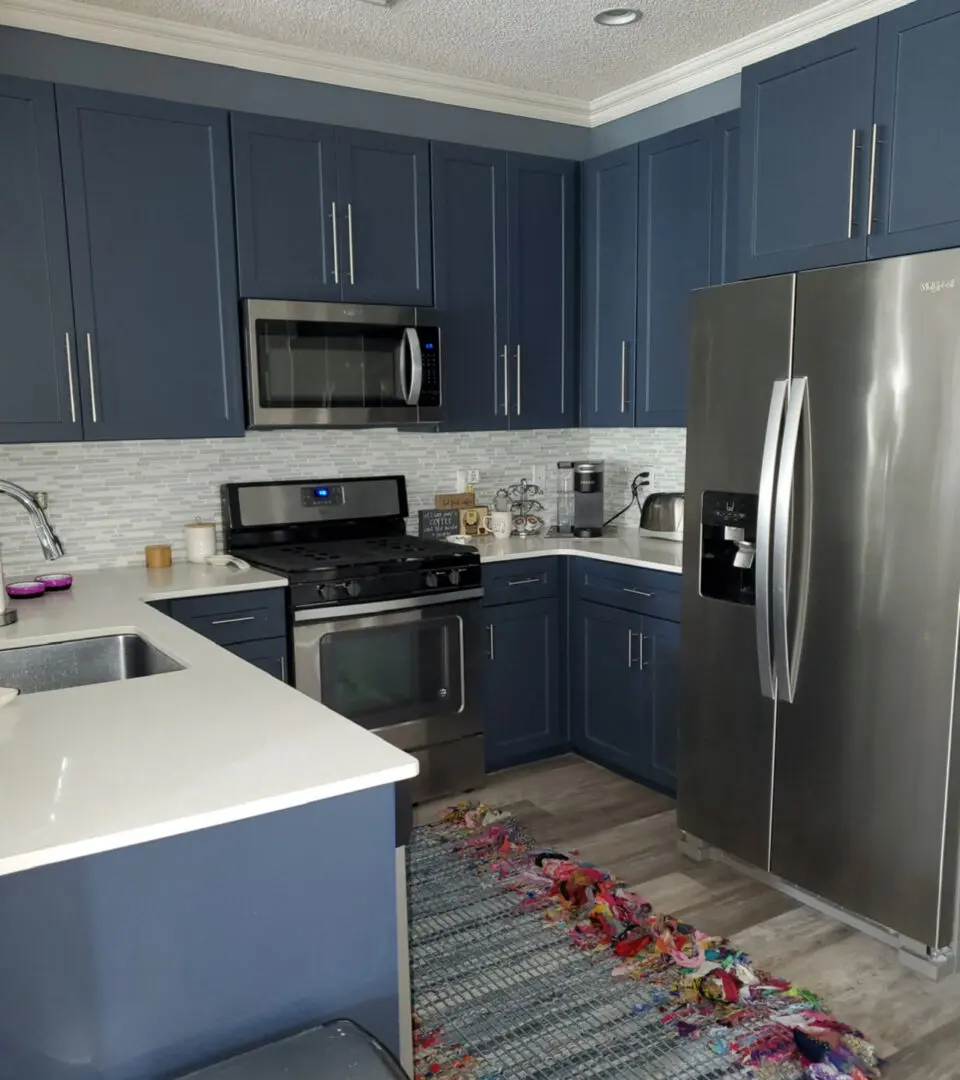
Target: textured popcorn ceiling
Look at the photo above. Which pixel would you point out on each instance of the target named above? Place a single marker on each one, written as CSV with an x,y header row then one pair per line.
x,y
552,46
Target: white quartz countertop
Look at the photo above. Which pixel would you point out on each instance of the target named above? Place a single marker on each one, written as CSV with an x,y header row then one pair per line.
x,y
629,546
93,768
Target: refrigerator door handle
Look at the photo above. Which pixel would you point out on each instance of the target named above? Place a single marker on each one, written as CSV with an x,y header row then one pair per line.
x,y
787,535
768,469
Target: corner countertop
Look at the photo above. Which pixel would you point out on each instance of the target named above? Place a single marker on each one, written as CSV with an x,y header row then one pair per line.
x,y
94,768
629,547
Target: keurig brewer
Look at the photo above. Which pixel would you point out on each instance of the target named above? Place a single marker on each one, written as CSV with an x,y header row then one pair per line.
x,y
585,480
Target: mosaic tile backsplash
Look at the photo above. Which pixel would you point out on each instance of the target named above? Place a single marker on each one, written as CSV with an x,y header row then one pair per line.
x,y
109,500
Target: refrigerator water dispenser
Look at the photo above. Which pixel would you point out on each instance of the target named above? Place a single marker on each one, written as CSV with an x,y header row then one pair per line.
x,y
728,547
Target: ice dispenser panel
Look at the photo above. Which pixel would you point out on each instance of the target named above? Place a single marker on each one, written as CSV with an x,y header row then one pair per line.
x,y
728,546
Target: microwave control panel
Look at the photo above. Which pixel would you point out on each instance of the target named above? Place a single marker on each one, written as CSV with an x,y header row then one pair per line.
x,y
430,351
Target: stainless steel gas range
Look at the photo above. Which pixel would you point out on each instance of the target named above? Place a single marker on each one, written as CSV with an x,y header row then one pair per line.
x,y
386,627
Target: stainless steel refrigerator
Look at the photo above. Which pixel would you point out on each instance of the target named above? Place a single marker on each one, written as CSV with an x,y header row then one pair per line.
x,y
821,585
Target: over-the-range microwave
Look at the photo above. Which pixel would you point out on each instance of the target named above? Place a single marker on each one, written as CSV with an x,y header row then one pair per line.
x,y
340,365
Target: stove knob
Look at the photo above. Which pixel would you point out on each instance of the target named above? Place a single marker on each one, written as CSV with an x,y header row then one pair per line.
x,y
454,577
353,588
329,592
432,580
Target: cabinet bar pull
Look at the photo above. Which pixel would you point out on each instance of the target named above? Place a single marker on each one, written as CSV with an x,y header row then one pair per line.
x,y
239,618
506,384
853,173
629,648
623,377
336,253
873,180
643,662
73,400
638,592
525,581
93,386
283,669
490,633
518,380
350,237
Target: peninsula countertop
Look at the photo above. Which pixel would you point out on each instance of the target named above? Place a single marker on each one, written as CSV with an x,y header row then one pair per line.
x,y
94,768
628,546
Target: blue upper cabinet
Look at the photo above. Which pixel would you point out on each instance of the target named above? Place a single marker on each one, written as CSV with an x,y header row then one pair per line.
x,y
383,190
916,197
542,200
675,255
725,240
149,216
470,235
285,180
608,364
806,121
38,372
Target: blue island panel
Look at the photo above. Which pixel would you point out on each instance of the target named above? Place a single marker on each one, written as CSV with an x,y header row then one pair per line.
x,y
156,959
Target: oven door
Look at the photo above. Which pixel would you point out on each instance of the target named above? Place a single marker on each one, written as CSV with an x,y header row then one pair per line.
x,y
406,669
316,365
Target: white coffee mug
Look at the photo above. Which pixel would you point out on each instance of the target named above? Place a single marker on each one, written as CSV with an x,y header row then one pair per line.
x,y
500,523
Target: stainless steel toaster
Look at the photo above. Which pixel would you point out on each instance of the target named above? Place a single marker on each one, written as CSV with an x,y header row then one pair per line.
x,y
662,515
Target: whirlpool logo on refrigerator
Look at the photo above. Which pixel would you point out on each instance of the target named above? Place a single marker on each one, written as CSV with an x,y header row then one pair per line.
x,y
938,285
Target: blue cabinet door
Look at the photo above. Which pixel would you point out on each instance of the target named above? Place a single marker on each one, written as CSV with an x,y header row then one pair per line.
x,y
383,189
269,656
285,179
542,200
38,374
609,289
522,698
661,693
470,238
149,217
806,121
725,226
917,115
676,195
607,706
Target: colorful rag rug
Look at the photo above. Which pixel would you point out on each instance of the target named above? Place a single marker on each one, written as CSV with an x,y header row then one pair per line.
x,y
528,964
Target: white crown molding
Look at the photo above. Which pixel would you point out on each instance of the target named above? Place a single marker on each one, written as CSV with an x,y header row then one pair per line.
x,y
147,34
730,59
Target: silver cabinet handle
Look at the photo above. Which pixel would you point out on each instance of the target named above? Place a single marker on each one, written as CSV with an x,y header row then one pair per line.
x,y
629,648
873,180
786,535
638,592
93,385
853,173
643,662
283,669
771,444
73,400
623,377
350,237
239,618
490,633
525,581
336,253
506,384
518,380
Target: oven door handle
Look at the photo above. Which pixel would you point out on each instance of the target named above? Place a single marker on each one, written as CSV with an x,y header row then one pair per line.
x,y
382,607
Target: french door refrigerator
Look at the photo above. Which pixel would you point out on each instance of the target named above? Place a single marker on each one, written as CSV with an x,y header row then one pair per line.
x,y
821,580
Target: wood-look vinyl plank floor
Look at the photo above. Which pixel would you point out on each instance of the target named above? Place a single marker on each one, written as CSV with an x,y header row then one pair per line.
x,y
631,831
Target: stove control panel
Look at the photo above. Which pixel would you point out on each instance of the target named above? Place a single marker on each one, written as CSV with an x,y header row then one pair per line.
x,y
324,495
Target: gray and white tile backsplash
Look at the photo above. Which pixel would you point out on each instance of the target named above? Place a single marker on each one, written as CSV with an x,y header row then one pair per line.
x,y
109,500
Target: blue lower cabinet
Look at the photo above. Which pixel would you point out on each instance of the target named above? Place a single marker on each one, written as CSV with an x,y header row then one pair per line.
x,y
522,689
269,656
660,663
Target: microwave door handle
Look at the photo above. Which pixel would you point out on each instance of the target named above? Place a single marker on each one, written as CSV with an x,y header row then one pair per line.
x,y
412,346
402,368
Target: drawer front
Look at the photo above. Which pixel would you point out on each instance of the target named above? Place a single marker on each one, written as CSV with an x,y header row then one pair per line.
x,y
633,588
235,617
520,579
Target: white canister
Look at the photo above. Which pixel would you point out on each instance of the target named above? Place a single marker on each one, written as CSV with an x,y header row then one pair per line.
x,y
201,537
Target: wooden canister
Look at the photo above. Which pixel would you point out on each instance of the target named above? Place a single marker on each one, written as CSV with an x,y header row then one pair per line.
x,y
158,556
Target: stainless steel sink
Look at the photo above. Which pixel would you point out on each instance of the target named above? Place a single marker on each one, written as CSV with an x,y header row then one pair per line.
x,y
82,662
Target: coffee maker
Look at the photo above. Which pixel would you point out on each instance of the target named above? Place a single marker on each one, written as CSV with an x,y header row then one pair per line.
x,y
579,498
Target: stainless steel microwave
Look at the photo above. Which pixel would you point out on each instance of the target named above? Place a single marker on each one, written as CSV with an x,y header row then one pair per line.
x,y
340,365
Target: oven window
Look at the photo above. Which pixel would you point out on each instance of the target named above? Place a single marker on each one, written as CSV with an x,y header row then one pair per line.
x,y
383,675
306,365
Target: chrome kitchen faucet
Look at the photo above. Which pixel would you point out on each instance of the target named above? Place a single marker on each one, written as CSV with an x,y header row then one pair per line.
x,y
49,541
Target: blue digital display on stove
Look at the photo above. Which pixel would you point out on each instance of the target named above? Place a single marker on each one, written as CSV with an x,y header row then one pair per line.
x,y
322,493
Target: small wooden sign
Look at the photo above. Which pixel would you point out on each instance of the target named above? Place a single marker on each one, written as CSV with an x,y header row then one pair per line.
x,y
457,500
439,524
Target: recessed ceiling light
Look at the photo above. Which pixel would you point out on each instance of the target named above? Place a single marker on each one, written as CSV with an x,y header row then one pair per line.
x,y
621,16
